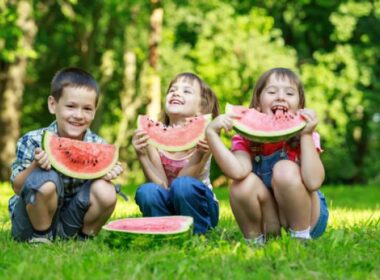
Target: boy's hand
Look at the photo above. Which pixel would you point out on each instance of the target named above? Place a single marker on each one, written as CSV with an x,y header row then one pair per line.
x,y
114,172
312,120
41,158
221,122
140,141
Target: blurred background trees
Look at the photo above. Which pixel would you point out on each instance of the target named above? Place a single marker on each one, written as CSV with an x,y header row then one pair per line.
x,y
134,48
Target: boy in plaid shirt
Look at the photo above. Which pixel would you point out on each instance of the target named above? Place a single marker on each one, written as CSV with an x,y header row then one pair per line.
x,y
48,204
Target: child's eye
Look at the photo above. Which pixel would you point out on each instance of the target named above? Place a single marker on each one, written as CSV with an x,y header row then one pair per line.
x,y
88,109
290,93
70,106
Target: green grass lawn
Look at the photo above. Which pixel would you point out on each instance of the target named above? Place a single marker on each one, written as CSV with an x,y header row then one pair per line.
x,y
350,249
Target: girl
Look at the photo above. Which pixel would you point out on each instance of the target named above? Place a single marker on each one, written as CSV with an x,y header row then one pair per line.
x,y
179,182
274,184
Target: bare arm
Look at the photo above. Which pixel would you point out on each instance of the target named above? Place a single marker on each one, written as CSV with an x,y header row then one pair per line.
x,y
40,160
234,165
312,170
149,159
198,161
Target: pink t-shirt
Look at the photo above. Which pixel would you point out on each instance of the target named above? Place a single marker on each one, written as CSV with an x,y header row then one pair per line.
x,y
173,166
239,143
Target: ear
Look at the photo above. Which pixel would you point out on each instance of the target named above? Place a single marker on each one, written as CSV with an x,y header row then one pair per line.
x,y
52,104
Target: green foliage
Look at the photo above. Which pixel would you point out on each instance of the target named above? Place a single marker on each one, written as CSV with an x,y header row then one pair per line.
x,y
334,45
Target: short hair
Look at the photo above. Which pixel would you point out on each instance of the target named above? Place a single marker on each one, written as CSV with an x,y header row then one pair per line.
x,y
72,77
279,73
209,101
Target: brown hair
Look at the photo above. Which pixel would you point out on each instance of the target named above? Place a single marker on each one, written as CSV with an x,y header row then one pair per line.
x,y
72,77
209,101
279,73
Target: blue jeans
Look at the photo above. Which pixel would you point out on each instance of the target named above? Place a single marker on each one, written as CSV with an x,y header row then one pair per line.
x,y
186,196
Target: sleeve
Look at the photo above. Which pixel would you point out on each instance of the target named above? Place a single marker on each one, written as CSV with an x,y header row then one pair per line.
x,y
317,141
239,143
24,155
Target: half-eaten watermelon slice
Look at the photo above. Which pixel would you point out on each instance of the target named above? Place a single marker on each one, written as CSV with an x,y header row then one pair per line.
x,y
174,138
149,230
78,159
264,128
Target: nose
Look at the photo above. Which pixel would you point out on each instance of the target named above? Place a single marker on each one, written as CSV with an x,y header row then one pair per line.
x,y
78,114
281,95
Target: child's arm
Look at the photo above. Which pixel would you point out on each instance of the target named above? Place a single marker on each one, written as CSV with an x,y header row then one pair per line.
x,y
312,170
198,161
235,165
40,160
149,159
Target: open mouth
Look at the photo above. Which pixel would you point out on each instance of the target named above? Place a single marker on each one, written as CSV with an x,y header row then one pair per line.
x,y
175,102
279,109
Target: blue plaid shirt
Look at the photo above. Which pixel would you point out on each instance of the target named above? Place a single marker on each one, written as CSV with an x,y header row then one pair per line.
x,y
25,156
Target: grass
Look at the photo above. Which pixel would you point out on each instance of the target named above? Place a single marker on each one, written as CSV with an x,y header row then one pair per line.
x,y
350,249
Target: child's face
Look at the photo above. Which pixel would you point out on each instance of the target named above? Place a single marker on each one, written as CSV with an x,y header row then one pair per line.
x,y
183,99
279,94
74,111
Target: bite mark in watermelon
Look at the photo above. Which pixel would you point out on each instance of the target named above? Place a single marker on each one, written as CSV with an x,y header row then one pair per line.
x,y
78,159
264,128
174,138
149,230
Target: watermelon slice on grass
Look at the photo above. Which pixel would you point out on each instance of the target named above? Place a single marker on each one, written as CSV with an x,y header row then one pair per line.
x,y
78,159
264,128
174,138
148,231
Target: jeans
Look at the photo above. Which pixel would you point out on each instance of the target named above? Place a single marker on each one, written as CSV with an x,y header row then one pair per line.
x,y
186,196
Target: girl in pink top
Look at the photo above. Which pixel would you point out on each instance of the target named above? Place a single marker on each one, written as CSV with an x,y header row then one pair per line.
x,y
179,182
274,185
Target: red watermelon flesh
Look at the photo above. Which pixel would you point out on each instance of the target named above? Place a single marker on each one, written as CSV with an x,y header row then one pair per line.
x,y
78,159
174,138
152,225
260,127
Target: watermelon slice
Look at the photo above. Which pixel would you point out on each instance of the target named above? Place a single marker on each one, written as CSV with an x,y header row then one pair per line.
x,y
78,159
264,128
149,230
174,138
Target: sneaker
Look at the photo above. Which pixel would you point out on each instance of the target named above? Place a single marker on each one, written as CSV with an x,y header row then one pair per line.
x,y
41,239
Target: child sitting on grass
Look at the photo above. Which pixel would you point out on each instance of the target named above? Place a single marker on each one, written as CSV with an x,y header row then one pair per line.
x,y
48,204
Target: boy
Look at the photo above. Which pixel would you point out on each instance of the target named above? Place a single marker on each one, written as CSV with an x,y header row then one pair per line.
x,y
49,204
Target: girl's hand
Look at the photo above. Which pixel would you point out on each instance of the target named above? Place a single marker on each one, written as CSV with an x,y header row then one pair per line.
x,y
312,120
41,158
114,172
203,147
140,141
221,122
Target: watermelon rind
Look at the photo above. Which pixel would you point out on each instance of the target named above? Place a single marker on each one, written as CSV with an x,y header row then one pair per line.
x,y
264,136
172,148
124,238
47,136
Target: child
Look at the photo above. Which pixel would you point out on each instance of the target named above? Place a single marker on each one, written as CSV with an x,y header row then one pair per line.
x,y
49,204
274,184
179,181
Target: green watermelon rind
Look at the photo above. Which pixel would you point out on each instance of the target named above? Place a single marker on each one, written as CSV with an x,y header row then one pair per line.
x,y
62,169
122,238
264,136
173,148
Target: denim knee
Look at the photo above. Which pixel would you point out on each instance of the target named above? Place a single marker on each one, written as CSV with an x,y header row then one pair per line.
x,y
36,179
182,188
147,193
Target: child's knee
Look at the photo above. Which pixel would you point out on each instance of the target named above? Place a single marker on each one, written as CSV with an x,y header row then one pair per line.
x,y
104,193
183,188
246,188
286,174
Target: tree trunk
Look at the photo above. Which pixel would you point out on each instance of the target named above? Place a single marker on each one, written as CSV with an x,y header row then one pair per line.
x,y
153,81
12,89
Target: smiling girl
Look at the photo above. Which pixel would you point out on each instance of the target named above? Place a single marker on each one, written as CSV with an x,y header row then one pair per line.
x,y
274,184
179,182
